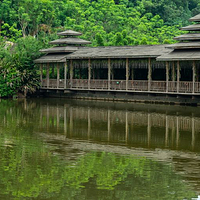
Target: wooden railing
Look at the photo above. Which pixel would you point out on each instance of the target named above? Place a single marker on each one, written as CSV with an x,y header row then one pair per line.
x,y
131,85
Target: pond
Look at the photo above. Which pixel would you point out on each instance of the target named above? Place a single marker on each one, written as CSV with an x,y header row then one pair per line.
x,y
66,149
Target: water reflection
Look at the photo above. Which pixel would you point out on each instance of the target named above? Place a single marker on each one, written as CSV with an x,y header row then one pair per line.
x,y
87,150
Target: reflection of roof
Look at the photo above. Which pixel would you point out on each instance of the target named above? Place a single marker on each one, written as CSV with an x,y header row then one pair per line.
x,y
69,33
180,55
195,18
194,27
59,49
143,51
70,41
51,58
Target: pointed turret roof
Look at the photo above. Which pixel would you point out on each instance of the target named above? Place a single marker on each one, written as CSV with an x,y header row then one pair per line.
x,y
69,33
195,18
189,46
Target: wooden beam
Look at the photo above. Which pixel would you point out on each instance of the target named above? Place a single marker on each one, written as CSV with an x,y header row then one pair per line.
x,y
65,75
178,75
127,73
194,76
89,73
58,75
109,73
47,75
167,76
71,74
149,74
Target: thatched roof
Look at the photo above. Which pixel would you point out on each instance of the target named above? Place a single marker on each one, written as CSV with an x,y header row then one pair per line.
x,y
189,36
184,45
60,49
52,58
72,41
69,33
195,18
142,51
180,55
194,27
136,52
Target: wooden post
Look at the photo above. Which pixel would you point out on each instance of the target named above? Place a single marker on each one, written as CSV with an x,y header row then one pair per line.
x,y
65,75
149,130
127,127
58,75
167,76
149,74
193,133
89,124
89,73
109,125
194,76
166,131
177,132
41,72
132,74
47,75
109,73
173,72
71,74
127,73
178,75
65,120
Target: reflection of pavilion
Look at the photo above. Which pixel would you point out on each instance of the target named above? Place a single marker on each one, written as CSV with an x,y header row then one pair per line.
x,y
171,136
158,130
142,69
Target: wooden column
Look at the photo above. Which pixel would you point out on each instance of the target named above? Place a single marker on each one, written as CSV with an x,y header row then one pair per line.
x,y
71,74
109,125
149,130
65,75
178,75
41,73
166,131
194,76
173,72
177,132
65,120
127,73
89,124
193,133
132,74
127,127
89,73
58,75
109,73
167,76
149,74
47,75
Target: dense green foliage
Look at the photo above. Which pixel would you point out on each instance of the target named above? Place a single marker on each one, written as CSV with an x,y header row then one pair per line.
x,y
104,22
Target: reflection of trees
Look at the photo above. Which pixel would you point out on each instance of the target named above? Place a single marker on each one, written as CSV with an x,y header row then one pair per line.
x,y
30,169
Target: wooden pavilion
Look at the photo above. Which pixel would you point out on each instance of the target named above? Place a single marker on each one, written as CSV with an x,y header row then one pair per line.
x,y
150,69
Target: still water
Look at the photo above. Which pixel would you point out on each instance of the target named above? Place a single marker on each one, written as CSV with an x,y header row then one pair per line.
x,y
75,150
